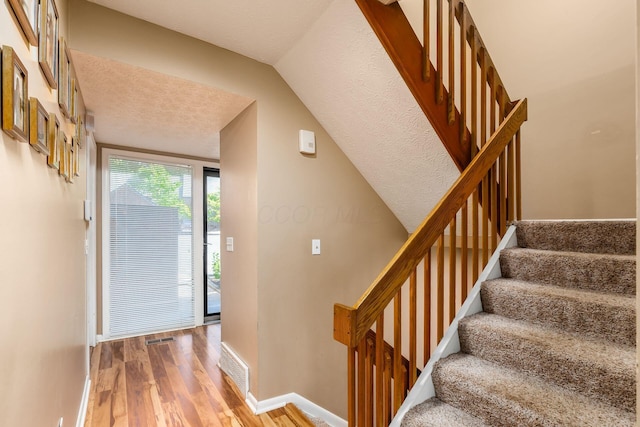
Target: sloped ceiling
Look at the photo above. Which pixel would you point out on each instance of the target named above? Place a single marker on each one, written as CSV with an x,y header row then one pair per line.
x,y
328,54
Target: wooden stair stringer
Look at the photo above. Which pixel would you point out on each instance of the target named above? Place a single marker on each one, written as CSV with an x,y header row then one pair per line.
x,y
394,31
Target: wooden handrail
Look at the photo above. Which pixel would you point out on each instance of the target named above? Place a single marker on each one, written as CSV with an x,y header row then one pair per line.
x,y
490,182
352,323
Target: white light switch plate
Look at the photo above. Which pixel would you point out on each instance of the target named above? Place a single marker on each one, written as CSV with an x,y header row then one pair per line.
x,y
315,247
229,244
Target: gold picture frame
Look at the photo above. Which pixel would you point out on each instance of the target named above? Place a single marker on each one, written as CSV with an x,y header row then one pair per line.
x,y
75,158
48,42
64,83
15,98
38,126
64,160
73,101
26,12
53,159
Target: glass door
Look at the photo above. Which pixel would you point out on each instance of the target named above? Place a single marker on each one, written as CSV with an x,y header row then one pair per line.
x,y
212,244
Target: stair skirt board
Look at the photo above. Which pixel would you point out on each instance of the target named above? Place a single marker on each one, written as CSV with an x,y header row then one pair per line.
x,y
305,405
450,344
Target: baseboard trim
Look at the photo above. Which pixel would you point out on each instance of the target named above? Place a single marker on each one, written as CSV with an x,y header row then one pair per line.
x,y
304,404
84,403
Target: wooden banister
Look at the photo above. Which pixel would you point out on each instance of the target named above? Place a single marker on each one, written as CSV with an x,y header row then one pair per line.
x,y
456,239
352,323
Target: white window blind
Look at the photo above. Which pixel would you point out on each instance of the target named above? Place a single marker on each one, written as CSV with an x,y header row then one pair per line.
x,y
151,286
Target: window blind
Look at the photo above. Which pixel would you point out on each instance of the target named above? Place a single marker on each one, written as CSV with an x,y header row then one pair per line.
x,y
151,286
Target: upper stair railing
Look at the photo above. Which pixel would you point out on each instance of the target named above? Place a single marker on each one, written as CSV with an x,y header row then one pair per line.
x,y
465,226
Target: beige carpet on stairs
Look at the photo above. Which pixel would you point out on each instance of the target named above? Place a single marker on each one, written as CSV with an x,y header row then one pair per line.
x,y
555,345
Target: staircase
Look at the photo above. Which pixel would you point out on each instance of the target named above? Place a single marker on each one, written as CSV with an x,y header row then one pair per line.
x,y
555,344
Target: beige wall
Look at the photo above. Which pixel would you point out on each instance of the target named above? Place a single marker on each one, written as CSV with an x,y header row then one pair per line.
x,y
279,201
42,268
574,61
239,210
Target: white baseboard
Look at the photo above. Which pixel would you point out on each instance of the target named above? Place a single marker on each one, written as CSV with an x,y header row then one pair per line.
x,y
305,405
82,411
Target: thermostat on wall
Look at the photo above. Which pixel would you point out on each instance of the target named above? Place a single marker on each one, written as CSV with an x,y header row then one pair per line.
x,y
307,142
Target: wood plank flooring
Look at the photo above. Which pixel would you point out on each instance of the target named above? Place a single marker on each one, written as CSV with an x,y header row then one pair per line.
x,y
172,384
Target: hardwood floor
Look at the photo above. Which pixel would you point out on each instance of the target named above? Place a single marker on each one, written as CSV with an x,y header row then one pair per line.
x,y
174,383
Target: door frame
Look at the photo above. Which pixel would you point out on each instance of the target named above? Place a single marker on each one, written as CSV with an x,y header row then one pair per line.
x,y
206,172
197,245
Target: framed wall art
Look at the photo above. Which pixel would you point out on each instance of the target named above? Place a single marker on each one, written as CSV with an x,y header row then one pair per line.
x,y
75,157
64,160
68,161
15,101
26,12
53,159
38,126
63,78
80,131
73,101
48,43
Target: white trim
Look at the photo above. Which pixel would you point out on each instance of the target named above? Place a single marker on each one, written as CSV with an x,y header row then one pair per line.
x,y
82,411
304,404
197,241
450,344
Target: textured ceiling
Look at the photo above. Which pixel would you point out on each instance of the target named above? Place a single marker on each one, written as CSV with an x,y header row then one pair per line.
x,y
260,29
328,54
140,108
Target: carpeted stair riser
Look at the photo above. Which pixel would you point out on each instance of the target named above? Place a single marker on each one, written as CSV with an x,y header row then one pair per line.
x,y
556,342
503,397
593,368
593,314
604,273
435,413
603,237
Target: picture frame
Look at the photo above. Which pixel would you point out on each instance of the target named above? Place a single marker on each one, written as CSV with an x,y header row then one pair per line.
x,y
75,155
63,78
80,131
63,170
26,12
15,98
48,42
53,159
38,127
69,161
73,101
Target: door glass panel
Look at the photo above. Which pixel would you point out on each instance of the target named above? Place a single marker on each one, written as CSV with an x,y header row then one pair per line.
x,y
212,242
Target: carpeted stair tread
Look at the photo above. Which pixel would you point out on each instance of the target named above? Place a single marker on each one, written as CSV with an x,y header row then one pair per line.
x,y
603,273
594,314
603,237
504,397
597,369
435,413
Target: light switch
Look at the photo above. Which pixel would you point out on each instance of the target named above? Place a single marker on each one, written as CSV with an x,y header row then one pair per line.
x,y
229,244
315,247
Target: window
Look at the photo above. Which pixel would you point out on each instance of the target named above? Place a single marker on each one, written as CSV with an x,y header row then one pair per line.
x,y
149,273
